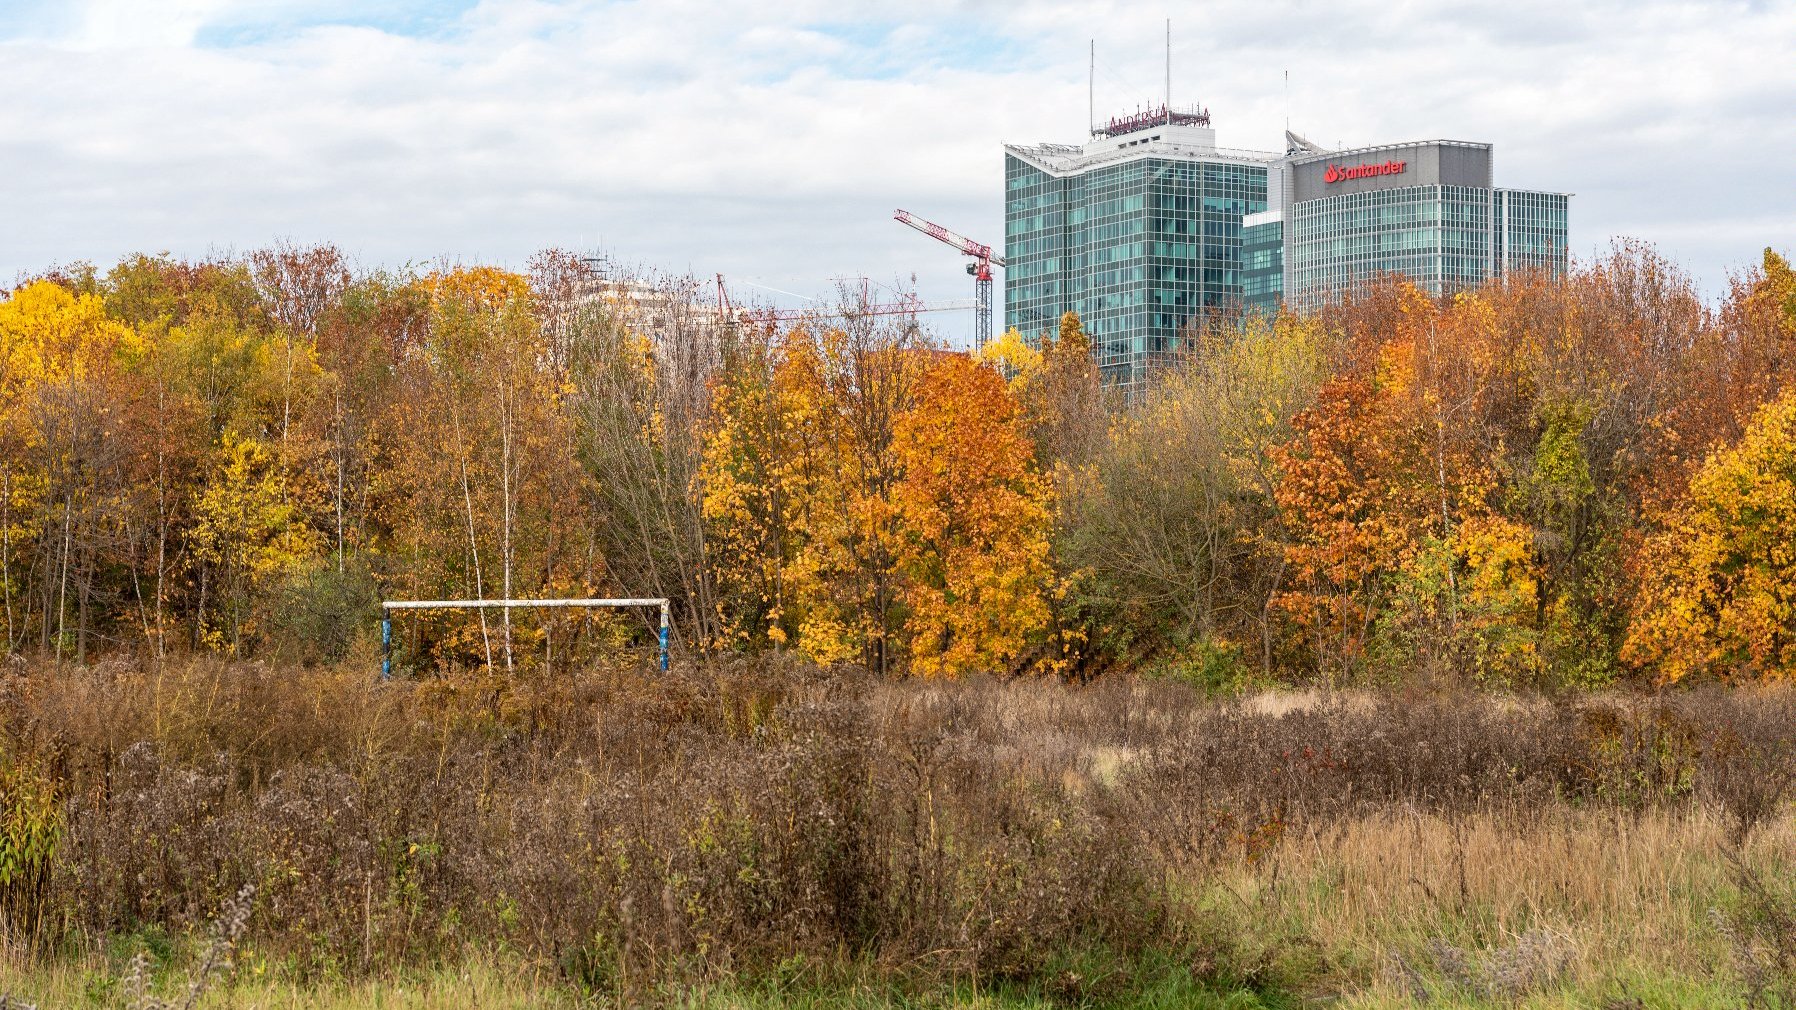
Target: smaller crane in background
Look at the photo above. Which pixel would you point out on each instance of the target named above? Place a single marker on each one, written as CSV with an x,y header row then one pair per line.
x,y
906,305
981,269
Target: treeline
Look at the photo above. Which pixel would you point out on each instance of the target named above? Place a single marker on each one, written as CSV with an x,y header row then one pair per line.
x,y
1544,482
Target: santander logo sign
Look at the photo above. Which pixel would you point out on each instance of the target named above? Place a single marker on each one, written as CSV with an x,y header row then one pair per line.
x,y
1337,173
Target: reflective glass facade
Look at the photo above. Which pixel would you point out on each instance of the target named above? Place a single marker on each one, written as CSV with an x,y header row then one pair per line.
x,y
1262,262
1138,247
1531,230
1440,236
1444,238
1142,233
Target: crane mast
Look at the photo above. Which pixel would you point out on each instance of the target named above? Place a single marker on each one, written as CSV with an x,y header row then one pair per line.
x,y
980,268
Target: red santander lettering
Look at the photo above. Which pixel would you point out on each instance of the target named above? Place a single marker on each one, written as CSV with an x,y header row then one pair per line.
x,y
1339,173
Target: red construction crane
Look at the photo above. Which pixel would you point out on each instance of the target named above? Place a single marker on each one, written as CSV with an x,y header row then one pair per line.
x,y
981,269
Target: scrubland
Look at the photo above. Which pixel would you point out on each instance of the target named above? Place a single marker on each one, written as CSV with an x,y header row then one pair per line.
x,y
963,712
771,833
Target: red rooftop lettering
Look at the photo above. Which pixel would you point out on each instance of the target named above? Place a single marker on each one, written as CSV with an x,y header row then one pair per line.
x,y
1336,173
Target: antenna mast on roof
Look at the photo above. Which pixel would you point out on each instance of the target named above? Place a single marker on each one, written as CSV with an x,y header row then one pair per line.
x,y
1168,71
1091,90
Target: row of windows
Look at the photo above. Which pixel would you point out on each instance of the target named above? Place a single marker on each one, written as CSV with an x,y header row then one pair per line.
x,y
1394,242
1229,226
1383,219
1259,285
1262,258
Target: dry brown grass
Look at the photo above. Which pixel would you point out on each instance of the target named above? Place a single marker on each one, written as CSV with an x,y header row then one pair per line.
x,y
1630,894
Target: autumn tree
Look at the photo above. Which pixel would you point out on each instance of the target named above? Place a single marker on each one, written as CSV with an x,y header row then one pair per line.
x,y
752,481
329,354
1399,557
484,494
62,477
1767,297
248,535
973,520
1065,412
1352,519
802,451
299,287
1718,582
1064,408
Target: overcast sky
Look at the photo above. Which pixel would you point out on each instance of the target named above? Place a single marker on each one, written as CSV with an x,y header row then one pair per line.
x,y
771,141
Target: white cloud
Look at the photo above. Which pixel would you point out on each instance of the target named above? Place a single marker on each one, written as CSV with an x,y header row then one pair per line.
x,y
772,145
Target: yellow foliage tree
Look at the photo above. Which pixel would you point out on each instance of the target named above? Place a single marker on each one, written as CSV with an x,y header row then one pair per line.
x,y
1012,354
1719,580
747,486
61,361
48,335
478,288
249,532
1778,289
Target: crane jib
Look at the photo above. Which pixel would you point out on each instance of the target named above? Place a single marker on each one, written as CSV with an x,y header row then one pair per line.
x,y
980,269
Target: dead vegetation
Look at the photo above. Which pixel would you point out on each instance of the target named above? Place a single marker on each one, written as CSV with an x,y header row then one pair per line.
x,y
635,831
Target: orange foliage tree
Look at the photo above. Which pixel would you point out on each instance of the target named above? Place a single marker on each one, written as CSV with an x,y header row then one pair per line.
x,y
1397,553
797,486
870,499
973,520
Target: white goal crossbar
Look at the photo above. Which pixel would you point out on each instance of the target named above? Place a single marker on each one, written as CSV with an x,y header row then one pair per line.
x,y
388,606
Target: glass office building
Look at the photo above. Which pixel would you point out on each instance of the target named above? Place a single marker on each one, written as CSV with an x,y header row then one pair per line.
x,y
1139,231
1426,210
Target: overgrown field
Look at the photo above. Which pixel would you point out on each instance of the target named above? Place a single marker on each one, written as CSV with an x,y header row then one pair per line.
x,y
774,834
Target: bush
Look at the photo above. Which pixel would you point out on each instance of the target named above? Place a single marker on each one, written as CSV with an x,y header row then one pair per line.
x,y
321,612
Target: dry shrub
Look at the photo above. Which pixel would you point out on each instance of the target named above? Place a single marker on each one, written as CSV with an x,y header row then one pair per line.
x,y
629,826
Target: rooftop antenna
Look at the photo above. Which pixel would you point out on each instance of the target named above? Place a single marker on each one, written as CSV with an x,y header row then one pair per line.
x,y
1168,71
1091,90
1287,101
